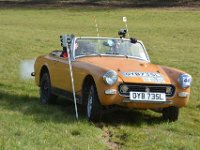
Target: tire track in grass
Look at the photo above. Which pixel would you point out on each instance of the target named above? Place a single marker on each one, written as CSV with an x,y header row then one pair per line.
x,y
114,141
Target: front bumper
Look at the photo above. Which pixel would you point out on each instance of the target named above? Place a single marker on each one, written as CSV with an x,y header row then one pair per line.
x,y
115,98
127,100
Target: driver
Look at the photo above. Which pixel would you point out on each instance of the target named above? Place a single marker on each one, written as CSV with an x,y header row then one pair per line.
x,y
114,45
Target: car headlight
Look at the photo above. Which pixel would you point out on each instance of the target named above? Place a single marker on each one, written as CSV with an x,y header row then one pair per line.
x,y
110,77
185,80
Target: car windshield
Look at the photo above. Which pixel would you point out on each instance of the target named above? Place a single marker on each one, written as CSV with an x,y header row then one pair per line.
x,y
109,46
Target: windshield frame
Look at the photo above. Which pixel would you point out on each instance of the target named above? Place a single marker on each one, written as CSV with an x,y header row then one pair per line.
x,y
108,55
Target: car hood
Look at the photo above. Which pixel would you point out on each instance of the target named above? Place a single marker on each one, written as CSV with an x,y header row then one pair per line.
x,y
131,70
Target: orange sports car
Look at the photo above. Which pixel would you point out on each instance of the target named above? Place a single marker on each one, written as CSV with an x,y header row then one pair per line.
x,y
109,72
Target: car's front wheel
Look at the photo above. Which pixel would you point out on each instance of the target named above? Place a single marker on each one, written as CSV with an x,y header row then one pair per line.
x,y
170,113
94,108
46,97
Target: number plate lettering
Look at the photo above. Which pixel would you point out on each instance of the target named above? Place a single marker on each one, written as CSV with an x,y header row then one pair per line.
x,y
141,96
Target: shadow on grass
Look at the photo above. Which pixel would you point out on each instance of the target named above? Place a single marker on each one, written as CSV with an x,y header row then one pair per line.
x,y
131,117
30,106
198,106
63,112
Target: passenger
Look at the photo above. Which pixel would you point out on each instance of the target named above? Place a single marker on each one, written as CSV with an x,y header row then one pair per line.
x,y
76,46
84,48
64,53
80,48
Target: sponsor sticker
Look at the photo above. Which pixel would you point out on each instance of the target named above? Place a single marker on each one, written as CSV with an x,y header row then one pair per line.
x,y
146,76
141,74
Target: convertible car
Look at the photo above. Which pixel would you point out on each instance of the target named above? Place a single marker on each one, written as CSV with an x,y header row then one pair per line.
x,y
111,72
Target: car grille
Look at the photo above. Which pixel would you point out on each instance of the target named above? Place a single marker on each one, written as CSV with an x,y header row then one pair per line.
x,y
146,88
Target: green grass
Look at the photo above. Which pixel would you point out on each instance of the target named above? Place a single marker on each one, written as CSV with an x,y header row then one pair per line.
x,y
171,37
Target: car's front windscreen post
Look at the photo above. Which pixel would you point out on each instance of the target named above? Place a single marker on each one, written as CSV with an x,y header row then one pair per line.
x,y
73,49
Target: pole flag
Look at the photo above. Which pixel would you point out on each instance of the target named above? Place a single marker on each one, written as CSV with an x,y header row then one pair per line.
x,y
125,21
66,41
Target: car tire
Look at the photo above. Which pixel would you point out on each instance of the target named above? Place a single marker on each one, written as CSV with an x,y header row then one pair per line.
x,y
46,97
170,113
93,107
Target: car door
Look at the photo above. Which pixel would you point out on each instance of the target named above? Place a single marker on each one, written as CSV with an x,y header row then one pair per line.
x,y
62,74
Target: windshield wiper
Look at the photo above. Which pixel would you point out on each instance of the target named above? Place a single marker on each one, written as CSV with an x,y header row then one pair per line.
x,y
114,53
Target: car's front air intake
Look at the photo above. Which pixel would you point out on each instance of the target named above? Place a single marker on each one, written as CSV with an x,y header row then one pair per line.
x,y
126,88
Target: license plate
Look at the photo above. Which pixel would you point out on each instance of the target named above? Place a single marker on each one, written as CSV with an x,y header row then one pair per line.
x,y
147,96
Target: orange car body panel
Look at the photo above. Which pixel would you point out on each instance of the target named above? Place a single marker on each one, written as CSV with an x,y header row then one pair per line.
x,y
96,66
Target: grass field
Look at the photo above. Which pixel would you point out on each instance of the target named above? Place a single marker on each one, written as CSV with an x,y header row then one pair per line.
x,y
172,38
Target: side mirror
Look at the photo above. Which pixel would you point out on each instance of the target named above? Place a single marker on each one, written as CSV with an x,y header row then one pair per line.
x,y
133,40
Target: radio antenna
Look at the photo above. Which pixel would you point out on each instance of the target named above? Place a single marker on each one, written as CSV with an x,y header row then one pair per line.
x,y
125,21
97,29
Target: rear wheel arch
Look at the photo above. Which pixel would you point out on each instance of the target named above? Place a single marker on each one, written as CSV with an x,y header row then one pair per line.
x,y
43,70
46,95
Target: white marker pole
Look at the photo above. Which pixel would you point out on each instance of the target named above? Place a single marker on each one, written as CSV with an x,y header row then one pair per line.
x,y
125,21
72,79
97,29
